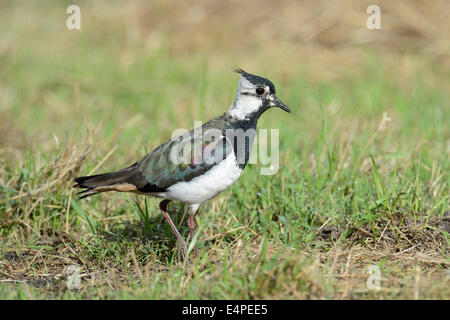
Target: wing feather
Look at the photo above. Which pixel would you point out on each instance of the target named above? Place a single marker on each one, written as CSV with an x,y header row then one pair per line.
x,y
184,158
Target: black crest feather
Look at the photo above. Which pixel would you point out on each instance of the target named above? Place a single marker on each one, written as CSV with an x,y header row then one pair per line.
x,y
256,80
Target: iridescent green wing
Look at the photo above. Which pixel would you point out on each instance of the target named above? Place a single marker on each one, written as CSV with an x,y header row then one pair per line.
x,y
184,158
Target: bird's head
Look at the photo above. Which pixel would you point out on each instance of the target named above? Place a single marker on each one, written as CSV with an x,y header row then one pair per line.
x,y
254,96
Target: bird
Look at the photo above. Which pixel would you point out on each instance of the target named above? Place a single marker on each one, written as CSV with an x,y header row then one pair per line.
x,y
197,165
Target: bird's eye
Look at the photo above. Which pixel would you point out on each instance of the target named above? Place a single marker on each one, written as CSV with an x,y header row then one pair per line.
x,y
259,91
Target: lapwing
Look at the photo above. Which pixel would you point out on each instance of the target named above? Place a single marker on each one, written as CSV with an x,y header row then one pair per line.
x,y
198,165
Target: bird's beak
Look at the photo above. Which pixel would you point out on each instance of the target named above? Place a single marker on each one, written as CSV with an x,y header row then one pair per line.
x,y
275,102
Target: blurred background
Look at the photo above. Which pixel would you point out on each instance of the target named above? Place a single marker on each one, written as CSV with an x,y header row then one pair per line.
x,y
143,68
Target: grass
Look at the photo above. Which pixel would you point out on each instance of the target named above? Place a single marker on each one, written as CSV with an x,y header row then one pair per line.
x,y
363,165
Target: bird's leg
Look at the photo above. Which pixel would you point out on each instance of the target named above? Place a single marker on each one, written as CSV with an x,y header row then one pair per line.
x,y
192,225
163,207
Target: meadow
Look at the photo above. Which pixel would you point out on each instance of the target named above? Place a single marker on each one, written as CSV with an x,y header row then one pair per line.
x,y
363,178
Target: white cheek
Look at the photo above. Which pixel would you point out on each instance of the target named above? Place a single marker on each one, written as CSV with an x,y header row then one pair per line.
x,y
244,106
249,103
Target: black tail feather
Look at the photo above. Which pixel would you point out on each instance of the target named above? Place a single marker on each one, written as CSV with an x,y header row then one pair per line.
x,y
91,183
100,182
84,191
87,195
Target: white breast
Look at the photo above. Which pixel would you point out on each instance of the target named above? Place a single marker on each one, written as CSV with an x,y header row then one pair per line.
x,y
207,186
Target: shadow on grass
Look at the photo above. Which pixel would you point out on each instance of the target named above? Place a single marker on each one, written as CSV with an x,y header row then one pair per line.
x,y
150,231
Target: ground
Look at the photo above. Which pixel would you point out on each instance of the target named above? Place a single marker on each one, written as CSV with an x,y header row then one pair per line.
x,y
362,189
